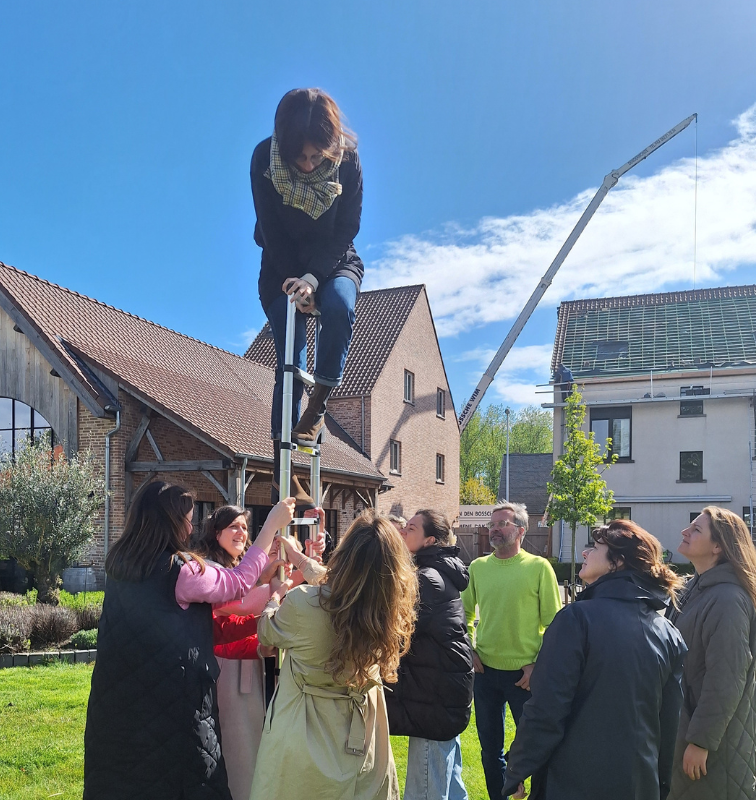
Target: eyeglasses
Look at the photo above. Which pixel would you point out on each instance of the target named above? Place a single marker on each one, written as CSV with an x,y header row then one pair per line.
x,y
499,525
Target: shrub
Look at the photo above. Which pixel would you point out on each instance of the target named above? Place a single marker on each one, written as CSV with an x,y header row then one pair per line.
x,y
16,624
84,640
88,617
51,625
10,599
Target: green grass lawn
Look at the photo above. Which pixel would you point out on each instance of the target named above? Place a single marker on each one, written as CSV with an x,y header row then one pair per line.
x,y
42,713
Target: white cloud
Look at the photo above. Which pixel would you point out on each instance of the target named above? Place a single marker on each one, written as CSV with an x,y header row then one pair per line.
x,y
529,363
640,240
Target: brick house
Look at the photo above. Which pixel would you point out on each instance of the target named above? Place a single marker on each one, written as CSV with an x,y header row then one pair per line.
x,y
158,403
394,401
670,378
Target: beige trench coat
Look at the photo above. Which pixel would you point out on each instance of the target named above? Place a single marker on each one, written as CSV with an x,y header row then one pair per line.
x,y
320,741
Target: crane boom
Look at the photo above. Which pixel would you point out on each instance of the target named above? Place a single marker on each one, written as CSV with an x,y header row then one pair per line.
x,y
609,181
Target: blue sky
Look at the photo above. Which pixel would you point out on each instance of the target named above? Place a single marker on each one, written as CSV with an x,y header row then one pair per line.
x,y
484,129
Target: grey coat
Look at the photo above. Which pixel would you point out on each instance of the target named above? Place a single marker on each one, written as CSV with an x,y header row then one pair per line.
x,y
718,622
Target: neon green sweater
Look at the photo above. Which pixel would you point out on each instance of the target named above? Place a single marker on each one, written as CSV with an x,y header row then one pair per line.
x,y
516,599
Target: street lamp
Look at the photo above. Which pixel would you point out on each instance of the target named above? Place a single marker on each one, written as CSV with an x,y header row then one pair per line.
x,y
507,411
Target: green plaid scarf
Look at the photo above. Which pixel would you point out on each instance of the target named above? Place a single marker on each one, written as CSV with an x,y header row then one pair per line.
x,y
312,192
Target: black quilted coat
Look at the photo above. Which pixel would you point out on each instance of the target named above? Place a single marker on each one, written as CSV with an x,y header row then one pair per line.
x,y
718,622
602,720
152,720
433,696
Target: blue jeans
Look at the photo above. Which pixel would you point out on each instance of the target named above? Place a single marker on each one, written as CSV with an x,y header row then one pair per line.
x,y
434,770
493,690
336,299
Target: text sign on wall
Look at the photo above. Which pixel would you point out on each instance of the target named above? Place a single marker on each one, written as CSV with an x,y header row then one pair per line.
x,y
475,516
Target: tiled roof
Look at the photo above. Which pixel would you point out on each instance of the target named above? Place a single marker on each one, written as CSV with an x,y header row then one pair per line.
x,y
380,317
528,475
218,394
671,331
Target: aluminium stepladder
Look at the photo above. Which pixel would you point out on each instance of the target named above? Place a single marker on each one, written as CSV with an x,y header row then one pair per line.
x,y
290,374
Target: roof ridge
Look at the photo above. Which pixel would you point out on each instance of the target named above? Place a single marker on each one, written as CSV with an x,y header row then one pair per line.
x,y
656,298
119,310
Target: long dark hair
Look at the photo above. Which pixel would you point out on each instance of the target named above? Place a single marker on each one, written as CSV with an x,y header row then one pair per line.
x,y
372,601
310,115
730,532
638,550
156,522
208,545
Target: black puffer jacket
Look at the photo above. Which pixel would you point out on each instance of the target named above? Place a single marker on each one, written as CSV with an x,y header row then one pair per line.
x,y
433,696
152,720
606,698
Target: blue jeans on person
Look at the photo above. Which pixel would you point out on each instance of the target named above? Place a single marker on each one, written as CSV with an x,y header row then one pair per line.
x,y
493,690
335,299
434,770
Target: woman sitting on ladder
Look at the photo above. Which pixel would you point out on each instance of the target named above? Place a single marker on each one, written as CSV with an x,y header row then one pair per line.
x,y
307,189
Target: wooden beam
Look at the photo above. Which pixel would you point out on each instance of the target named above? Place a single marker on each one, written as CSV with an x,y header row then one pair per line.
x,y
177,466
217,484
362,497
325,492
248,481
153,443
133,446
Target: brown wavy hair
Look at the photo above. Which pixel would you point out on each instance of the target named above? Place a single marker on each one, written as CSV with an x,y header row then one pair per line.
x,y
207,543
311,115
156,522
631,547
372,602
730,532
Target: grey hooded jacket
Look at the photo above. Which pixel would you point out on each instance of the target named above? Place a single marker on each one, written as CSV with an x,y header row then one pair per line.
x,y
718,622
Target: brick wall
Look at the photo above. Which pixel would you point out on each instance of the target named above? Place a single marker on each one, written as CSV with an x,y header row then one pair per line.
x,y
420,431
348,412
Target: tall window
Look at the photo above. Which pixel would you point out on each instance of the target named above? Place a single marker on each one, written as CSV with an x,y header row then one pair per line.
x,y
17,423
614,424
409,386
440,468
691,466
395,457
440,403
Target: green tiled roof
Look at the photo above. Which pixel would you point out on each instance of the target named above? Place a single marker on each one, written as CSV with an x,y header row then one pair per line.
x,y
661,332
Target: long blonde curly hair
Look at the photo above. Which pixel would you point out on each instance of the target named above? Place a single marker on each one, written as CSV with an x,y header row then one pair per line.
x,y
372,598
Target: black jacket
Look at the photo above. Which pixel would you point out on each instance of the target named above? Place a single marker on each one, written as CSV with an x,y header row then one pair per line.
x,y
433,695
606,697
152,719
294,243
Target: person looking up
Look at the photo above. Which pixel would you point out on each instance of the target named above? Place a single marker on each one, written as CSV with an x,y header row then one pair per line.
x,y
326,731
606,686
516,597
716,742
432,698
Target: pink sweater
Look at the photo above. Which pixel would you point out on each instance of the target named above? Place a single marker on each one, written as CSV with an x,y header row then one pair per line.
x,y
218,585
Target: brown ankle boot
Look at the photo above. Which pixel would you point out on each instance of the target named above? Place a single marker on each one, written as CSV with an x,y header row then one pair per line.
x,y
304,501
313,419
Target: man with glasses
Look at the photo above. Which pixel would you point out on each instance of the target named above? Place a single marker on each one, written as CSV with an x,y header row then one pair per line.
x,y
516,596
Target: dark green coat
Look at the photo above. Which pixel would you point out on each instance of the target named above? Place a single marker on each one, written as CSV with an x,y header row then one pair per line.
x,y
718,622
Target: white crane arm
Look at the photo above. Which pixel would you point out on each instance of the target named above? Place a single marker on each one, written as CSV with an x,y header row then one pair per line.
x,y
609,181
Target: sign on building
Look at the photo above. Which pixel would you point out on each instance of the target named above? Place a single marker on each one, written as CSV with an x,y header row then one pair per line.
x,y
474,516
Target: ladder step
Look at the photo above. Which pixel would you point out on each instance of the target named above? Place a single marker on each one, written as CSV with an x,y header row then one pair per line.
x,y
303,376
